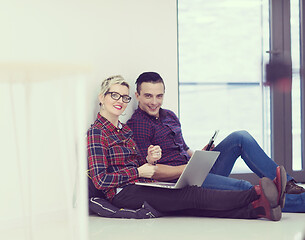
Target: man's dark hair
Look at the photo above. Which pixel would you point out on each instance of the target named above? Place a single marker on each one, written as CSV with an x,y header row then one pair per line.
x,y
151,77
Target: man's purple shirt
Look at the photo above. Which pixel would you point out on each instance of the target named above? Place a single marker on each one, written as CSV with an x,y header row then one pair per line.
x,y
164,131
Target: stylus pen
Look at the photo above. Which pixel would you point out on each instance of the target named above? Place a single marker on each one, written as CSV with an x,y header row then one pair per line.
x,y
210,145
212,140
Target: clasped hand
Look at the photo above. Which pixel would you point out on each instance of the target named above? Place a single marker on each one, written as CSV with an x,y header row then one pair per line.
x,y
154,153
148,169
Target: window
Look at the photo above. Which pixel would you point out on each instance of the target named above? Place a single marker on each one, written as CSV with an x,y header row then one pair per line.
x,y
222,55
296,86
223,49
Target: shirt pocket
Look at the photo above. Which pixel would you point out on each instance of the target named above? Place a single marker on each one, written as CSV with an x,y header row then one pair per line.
x,y
122,152
165,138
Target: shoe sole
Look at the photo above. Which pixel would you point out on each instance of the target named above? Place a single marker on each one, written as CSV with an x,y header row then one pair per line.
x,y
271,194
283,177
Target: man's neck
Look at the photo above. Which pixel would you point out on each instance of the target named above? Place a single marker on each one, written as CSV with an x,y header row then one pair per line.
x,y
153,116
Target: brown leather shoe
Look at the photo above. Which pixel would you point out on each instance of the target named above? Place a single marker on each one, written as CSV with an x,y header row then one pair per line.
x,y
292,188
268,199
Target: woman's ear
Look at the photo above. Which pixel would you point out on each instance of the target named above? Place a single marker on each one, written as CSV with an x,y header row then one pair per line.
x,y
101,98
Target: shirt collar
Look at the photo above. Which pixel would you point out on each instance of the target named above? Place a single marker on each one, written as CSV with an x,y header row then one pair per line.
x,y
108,125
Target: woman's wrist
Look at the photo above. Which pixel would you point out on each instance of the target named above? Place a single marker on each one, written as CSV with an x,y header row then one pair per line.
x,y
149,161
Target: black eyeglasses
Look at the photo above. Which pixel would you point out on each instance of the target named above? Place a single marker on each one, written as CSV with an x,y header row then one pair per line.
x,y
117,96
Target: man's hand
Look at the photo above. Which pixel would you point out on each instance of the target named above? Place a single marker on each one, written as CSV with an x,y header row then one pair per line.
x,y
154,153
212,147
147,170
190,152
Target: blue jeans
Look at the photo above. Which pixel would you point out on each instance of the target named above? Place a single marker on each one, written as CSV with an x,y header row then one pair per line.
x,y
241,143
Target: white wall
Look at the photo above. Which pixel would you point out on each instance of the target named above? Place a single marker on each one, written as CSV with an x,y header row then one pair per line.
x,y
136,36
54,54
116,37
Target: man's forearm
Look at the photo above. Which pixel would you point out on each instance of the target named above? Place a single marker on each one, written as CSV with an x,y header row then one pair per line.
x,y
167,173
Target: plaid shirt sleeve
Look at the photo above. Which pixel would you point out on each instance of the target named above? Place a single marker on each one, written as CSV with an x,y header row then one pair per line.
x,y
185,146
105,169
142,134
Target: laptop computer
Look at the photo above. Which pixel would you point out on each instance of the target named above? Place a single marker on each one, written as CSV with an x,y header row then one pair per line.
x,y
194,173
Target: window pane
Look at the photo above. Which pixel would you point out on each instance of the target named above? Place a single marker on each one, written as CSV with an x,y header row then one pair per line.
x,y
296,89
221,67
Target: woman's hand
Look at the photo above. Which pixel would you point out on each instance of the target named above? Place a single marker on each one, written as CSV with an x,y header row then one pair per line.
x,y
147,170
154,153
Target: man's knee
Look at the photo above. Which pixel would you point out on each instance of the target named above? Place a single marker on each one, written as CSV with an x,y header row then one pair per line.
x,y
241,133
245,185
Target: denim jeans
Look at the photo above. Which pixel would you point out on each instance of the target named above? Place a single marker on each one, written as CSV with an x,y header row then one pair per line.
x,y
242,144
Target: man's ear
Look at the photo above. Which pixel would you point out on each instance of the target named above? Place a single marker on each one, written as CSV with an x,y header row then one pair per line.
x,y
137,95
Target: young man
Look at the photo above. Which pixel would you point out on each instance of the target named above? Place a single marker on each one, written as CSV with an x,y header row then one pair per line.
x,y
153,125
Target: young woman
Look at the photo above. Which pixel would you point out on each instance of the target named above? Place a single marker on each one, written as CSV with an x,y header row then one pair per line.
x,y
115,164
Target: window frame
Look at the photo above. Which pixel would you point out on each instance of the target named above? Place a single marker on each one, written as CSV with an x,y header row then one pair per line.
x,y
280,102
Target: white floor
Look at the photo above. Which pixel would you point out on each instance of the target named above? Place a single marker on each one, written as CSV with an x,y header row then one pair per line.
x,y
58,226
291,227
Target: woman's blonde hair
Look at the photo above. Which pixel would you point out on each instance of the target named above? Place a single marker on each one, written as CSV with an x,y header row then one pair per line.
x,y
108,82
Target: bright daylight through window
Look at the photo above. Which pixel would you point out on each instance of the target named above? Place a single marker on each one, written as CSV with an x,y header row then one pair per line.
x,y
222,54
